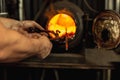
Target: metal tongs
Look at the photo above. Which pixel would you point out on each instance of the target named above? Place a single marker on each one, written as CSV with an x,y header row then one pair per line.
x,y
37,30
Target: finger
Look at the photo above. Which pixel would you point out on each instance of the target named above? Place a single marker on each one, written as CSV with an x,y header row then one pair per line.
x,y
28,24
23,32
38,26
44,33
35,35
46,48
16,26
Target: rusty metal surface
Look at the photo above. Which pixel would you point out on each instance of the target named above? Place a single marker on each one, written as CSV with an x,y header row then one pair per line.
x,y
106,29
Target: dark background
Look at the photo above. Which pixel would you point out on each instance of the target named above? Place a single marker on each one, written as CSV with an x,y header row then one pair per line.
x,y
31,8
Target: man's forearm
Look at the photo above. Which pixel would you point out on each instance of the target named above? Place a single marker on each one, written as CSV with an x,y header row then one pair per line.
x,y
16,45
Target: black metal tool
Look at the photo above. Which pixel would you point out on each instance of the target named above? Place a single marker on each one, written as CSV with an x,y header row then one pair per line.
x,y
37,30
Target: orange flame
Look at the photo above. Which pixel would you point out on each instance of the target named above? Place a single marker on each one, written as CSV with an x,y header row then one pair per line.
x,y
62,22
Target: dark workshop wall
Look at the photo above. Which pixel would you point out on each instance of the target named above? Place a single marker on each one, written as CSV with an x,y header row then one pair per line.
x,y
88,6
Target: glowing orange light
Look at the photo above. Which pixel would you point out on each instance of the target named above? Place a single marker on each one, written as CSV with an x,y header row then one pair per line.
x,y
63,23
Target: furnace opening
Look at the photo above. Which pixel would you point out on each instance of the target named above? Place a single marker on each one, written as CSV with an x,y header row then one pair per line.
x,y
63,20
63,25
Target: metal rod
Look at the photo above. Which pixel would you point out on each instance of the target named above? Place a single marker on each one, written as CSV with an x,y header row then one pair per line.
x,y
48,31
21,9
106,74
117,5
56,74
66,40
98,75
5,73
